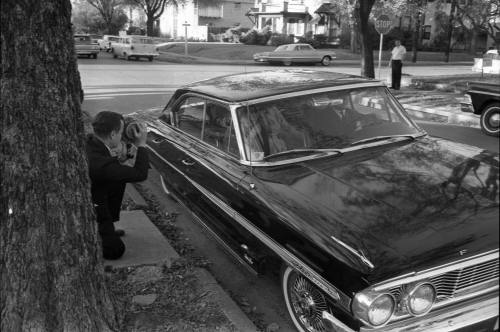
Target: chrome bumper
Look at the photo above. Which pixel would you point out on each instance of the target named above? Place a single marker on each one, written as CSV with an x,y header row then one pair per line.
x,y
460,315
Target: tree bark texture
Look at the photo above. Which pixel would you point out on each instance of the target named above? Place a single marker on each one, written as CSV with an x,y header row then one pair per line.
x,y
52,275
363,14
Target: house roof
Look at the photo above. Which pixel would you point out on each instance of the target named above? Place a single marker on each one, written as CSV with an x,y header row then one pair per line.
x,y
326,8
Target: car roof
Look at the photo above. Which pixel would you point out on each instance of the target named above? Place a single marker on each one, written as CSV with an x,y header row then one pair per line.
x,y
252,85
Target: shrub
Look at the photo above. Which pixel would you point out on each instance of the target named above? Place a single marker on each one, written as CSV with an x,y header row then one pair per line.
x,y
278,39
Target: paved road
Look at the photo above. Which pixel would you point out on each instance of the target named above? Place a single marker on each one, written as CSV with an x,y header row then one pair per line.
x,y
106,71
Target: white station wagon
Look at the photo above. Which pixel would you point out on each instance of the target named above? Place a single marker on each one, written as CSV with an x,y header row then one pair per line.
x,y
135,47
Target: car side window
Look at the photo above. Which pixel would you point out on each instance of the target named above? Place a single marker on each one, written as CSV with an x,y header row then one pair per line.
x,y
219,129
189,116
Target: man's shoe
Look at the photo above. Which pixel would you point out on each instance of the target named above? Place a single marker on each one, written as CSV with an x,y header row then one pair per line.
x,y
119,232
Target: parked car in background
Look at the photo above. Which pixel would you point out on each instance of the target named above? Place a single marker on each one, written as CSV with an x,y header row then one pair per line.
x,y
295,53
484,98
135,47
85,46
105,43
376,225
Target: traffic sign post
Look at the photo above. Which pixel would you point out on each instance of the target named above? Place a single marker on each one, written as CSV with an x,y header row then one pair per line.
x,y
186,24
383,25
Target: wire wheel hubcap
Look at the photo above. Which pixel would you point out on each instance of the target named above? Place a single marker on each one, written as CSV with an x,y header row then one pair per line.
x,y
308,304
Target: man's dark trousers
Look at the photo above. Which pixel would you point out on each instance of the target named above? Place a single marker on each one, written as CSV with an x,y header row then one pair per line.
x,y
397,66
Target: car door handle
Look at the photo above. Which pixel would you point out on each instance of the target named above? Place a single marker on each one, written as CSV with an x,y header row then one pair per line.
x,y
188,162
158,140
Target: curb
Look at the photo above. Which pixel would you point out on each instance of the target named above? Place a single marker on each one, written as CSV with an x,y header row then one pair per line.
x,y
231,310
436,115
135,196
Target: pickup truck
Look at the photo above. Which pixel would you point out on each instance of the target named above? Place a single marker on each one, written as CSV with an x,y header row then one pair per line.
x,y
85,46
483,98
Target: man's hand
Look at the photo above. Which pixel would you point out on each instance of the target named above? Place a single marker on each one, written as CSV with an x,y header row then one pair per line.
x,y
140,134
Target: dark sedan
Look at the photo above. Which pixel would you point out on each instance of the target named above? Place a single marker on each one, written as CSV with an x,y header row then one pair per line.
x,y
376,225
484,99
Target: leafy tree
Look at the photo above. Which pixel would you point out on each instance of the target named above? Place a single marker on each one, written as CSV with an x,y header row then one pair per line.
x,y
153,10
86,19
51,267
477,16
109,11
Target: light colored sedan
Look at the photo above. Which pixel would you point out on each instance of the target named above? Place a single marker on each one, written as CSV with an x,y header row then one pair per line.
x,y
295,53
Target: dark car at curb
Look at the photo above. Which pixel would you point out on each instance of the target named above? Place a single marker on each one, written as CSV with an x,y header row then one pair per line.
x,y
376,225
484,99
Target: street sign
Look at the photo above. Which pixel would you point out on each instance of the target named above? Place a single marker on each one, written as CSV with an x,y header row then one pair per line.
x,y
383,24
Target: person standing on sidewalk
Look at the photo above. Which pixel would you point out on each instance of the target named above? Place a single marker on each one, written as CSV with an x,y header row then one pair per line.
x,y
396,63
108,176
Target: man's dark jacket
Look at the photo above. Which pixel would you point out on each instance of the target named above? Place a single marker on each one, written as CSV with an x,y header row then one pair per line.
x,y
108,179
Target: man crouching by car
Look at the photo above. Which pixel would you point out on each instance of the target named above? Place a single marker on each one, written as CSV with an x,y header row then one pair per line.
x,y
109,176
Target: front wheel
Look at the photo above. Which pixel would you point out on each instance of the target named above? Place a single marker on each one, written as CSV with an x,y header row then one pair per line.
x,y
490,119
326,61
304,301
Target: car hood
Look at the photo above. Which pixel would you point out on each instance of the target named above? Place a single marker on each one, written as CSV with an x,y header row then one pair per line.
x,y
391,209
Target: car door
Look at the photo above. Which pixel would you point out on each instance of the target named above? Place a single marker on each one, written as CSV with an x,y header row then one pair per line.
x,y
201,166
308,54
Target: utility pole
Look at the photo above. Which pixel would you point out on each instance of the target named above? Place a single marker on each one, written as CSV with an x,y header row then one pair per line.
x,y
450,30
186,24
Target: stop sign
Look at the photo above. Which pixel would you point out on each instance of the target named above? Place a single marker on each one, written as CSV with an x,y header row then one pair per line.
x,y
383,24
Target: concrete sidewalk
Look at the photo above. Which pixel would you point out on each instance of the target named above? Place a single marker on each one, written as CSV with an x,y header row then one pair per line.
x,y
146,245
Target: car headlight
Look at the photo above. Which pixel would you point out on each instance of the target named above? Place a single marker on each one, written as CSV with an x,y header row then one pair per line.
x,y
374,308
420,298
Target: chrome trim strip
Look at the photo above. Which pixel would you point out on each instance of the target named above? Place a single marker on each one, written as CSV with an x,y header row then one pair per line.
x,y
208,229
318,90
484,93
354,251
333,324
432,272
287,256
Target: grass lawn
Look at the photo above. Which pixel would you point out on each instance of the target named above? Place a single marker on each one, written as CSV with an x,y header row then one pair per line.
x,y
245,52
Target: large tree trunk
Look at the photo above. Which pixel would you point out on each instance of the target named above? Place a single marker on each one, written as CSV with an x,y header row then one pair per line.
x,y
416,38
449,31
363,14
150,25
473,41
51,267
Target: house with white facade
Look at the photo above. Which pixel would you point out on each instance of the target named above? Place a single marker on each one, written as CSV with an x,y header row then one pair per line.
x,y
296,17
196,19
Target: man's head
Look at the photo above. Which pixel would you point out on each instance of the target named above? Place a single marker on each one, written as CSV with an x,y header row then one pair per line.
x,y
108,126
397,42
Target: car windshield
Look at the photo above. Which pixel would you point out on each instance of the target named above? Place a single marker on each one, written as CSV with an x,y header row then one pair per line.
x,y
323,121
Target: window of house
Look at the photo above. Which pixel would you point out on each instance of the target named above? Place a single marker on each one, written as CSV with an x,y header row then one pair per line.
x,y
427,32
237,5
